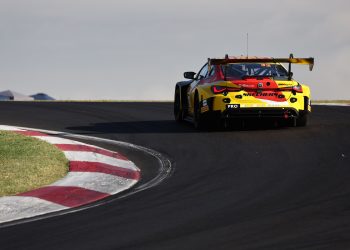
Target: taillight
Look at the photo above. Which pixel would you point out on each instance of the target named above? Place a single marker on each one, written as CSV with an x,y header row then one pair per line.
x,y
221,89
298,89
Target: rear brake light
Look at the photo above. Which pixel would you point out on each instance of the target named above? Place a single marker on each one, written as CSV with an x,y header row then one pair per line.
x,y
298,89
222,89
218,89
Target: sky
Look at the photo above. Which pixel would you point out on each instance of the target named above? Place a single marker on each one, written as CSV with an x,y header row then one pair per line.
x,y
139,49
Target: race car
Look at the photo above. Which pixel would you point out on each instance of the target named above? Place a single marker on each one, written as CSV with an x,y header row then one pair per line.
x,y
238,88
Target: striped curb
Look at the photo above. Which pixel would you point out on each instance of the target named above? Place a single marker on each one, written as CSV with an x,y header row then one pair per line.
x,y
94,173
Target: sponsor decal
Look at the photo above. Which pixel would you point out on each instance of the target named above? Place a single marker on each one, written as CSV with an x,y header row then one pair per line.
x,y
204,103
257,89
233,106
257,94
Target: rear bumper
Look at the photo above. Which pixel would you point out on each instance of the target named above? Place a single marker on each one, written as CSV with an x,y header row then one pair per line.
x,y
284,113
215,107
254,113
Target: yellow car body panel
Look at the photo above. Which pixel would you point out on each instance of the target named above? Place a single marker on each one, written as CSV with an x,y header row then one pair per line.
x,y
249,101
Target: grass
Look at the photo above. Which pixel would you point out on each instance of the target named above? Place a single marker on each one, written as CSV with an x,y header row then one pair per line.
x,y
27,163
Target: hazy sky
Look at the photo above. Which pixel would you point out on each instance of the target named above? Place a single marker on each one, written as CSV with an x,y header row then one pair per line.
x,y
138,49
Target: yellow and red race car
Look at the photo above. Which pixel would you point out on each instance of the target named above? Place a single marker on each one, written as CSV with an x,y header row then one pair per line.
x,y
243,87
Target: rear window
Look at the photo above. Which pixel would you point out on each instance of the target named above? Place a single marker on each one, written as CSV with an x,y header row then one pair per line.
x,y
240,71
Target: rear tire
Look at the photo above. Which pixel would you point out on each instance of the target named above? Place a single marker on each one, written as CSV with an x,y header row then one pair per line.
x,y
197,116
178,110
302,120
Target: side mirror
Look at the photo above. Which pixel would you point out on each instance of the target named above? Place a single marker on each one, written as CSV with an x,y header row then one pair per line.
x,y
189,75
290,75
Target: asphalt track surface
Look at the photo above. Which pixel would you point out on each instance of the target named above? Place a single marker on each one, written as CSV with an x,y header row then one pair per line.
x,y
255,188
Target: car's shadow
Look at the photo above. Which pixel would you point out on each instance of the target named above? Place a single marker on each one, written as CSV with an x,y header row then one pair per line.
x,y
169,126
156,126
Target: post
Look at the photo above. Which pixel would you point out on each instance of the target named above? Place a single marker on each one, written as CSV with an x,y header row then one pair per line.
x,y
247,44
290,67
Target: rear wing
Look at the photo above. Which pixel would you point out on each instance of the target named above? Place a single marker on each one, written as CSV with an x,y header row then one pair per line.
x,y
227,60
